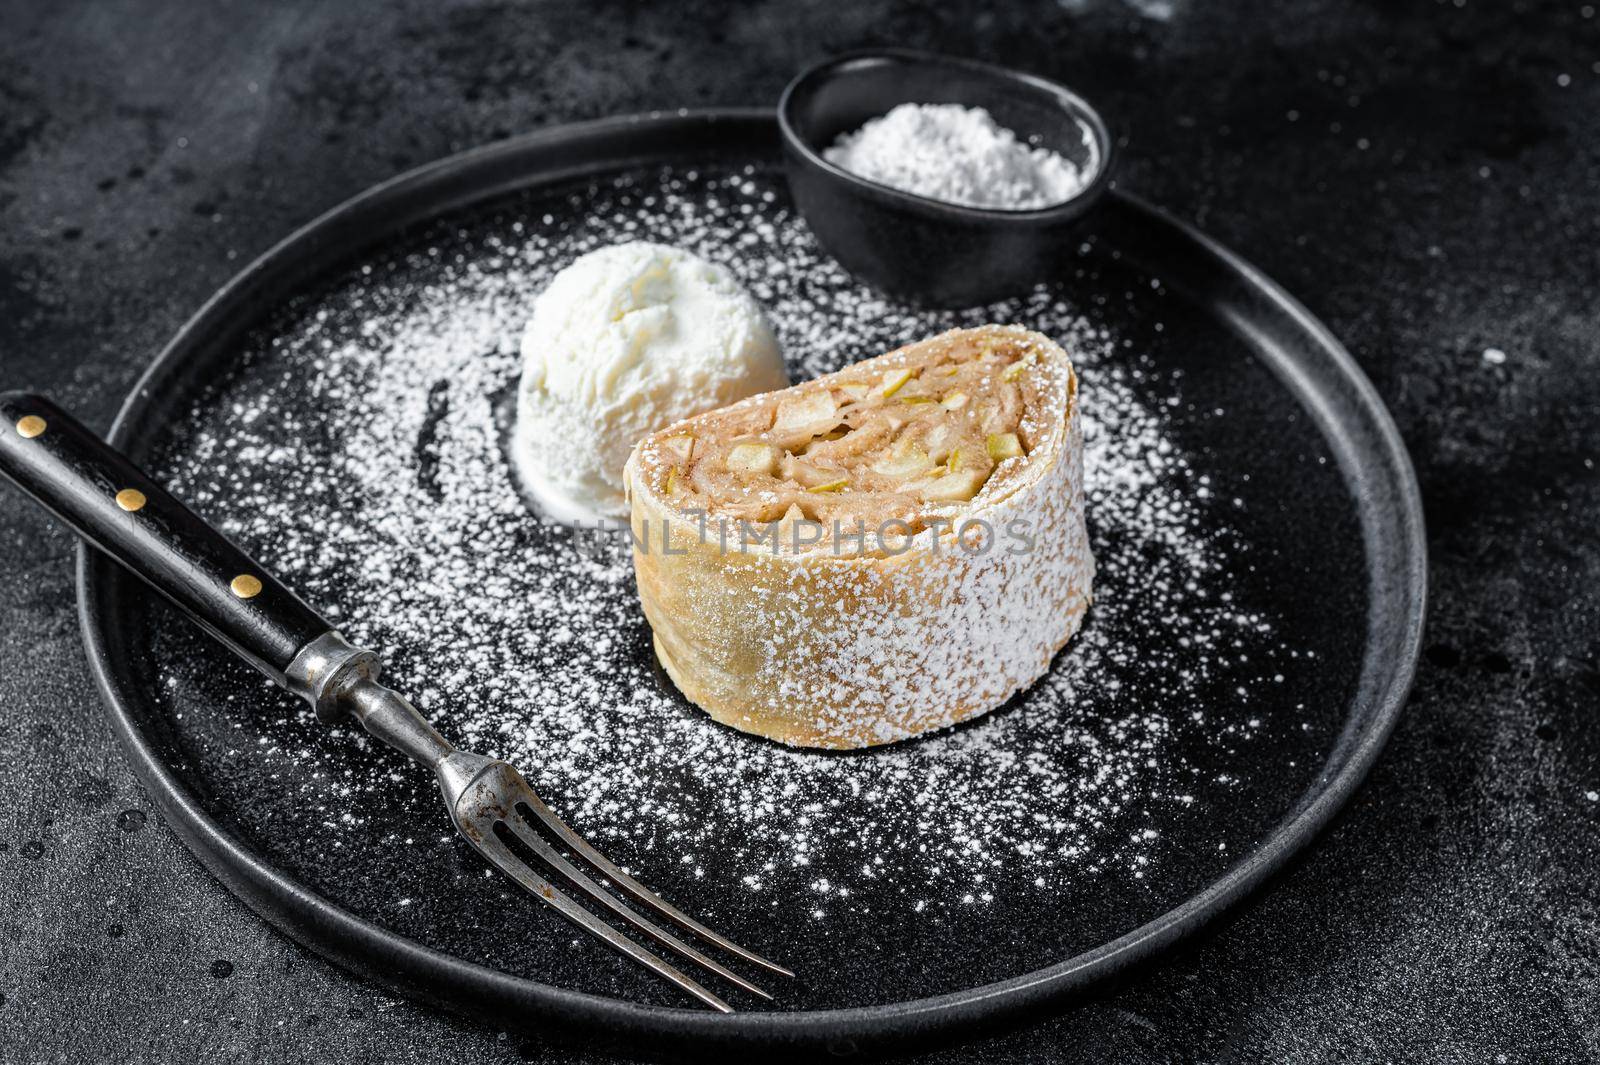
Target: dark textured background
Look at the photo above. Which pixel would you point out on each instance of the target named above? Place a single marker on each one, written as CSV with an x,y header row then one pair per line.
x,y
1426,176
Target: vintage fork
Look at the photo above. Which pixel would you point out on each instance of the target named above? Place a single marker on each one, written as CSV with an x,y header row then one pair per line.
x,y
116,507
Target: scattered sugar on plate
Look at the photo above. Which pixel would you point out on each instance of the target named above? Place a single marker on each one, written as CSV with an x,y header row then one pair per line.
x,y
525,641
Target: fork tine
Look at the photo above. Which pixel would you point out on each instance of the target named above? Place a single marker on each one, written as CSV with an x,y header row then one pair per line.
x,y
638,891
514,867
576,878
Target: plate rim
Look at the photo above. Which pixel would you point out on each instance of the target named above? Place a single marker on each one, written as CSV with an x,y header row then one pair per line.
x,y
359,945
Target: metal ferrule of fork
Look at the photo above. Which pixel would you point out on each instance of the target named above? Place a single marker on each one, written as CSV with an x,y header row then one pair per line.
x,y
491,803
338,678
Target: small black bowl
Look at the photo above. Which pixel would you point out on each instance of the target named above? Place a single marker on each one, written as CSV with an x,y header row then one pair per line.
x,y
913,247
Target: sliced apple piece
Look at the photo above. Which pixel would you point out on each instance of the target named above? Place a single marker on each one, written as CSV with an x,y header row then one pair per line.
x,y
679,447
955,487
805,474
954,401
1002,446
864,444
906,460
837,485
999,413
811,412
894,380
826,438
753,458
940,439
790,517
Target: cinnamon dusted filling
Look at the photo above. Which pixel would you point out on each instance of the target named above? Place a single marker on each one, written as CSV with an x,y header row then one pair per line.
x,y
903,443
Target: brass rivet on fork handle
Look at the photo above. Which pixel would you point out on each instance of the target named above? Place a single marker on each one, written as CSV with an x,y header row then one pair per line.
x,y
245,586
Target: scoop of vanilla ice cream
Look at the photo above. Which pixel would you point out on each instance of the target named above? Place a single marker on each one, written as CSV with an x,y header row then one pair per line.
x,y
624,341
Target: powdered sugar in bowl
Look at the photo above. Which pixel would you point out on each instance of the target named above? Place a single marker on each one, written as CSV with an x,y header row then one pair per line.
x,y
970,195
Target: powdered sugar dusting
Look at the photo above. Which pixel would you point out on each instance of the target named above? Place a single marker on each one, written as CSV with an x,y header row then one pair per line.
x,y
837,647
960,155
404,525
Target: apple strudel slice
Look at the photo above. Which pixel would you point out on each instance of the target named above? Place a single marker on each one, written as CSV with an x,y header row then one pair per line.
x,y
879,552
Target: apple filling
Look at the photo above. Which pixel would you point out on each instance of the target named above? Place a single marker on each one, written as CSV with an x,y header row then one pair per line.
x,y
906,442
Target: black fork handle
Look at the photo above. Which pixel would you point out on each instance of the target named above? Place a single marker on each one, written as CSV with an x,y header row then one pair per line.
x,y
115,506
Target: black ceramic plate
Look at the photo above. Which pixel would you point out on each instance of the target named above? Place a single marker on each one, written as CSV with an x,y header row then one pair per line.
x,y
1260,602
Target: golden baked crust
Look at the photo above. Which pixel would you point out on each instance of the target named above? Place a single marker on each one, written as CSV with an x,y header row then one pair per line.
x,y
772,613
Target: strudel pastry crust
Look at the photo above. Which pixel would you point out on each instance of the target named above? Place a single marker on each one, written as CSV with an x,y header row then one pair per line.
x,y
890,549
